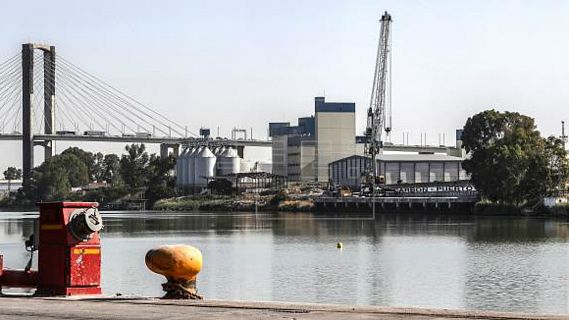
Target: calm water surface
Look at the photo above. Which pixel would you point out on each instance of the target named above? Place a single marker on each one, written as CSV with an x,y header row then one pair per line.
x,y
504,264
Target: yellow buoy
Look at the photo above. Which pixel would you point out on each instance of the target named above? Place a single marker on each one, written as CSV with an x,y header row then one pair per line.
x,y
180,264
339,245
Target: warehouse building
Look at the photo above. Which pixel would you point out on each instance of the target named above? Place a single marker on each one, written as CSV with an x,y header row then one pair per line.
x,y
399,169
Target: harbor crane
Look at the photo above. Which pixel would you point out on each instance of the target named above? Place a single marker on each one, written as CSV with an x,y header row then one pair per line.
x,y
379,111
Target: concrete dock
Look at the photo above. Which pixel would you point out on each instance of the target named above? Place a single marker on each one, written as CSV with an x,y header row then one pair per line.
x,y
18,308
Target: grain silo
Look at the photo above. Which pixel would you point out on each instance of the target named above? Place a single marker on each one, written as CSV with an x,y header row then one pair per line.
x,y
220,151
190,166
228,162
204,164
180,168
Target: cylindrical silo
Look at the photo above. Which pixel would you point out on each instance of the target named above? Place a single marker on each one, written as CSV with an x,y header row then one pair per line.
x,y
228,162
205,166
219,151
190,167
180,168
186,168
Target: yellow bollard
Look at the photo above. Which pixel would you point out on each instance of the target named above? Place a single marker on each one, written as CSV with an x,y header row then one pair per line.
x,y
180,264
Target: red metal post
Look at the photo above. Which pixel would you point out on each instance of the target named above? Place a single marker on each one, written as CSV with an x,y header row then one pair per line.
x,y
69,260
69,253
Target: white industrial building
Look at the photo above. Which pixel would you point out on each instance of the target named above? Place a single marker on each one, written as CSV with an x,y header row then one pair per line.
x,y
195,166
399,169
324,148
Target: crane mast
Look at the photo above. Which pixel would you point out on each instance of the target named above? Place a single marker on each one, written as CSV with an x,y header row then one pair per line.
x,y
379,111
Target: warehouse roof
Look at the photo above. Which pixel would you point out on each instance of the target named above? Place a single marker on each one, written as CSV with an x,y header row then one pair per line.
x,y
409,157
418,157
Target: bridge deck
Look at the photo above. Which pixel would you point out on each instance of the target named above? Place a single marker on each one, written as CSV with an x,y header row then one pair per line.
x,y
134,139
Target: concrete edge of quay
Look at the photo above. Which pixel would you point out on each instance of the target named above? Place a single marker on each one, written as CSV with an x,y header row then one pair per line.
x,y
289,307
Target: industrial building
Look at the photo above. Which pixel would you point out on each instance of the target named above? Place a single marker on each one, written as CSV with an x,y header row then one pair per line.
x,y
325,146
303,152
195,165
198,165
399,169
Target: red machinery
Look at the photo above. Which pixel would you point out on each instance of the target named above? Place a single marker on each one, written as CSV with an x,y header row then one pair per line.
x,y
69,251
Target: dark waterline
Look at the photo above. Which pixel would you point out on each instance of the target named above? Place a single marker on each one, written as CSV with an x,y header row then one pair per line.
x,y
503,264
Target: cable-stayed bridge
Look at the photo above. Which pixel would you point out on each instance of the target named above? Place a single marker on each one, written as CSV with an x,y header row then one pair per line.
x,y
44,99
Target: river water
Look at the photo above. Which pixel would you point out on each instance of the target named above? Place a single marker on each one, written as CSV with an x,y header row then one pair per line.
x,y
501,264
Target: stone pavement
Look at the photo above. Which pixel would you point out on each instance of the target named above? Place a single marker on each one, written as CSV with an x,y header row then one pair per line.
x,y
19,308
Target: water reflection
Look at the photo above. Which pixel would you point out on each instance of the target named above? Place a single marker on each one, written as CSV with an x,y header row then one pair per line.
x,y
508,264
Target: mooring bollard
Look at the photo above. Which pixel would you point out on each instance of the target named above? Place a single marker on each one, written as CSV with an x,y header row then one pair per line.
x,y
180,264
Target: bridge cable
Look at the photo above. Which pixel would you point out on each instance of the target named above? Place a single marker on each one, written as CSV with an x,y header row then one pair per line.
x,y
98,110
98,102
64,96
95,98
111,100
120,93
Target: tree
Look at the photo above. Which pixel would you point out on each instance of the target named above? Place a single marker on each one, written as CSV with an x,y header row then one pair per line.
x,y
509,161
55,178
111,168
98,170
133,166
221,187
161,181
87,158
76,170
12,174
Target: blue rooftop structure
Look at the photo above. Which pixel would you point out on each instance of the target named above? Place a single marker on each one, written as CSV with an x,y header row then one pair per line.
x,y
307,125
320,105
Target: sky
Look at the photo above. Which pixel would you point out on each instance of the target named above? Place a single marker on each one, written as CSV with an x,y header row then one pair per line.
x,y
243,64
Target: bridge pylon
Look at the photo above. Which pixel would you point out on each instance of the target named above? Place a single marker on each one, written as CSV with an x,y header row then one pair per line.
x,y
27,107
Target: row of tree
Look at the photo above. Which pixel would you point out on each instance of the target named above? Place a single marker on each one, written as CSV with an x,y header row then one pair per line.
x,y
509,161
135,172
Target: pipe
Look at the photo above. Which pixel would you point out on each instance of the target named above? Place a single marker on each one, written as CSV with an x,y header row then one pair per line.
x,y
19,278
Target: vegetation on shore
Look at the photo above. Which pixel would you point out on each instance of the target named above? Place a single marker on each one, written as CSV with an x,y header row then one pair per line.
x,y
246,202
510,164
78,175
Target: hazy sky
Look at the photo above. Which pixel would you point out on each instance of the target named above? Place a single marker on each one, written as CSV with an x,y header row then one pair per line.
x,y
245,63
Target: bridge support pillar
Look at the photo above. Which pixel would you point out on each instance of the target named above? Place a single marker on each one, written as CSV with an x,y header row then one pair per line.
x,y
27,92
49,98
166,147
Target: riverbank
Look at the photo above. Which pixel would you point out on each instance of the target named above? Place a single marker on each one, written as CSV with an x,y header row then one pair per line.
x,y
305,203
247,202
17,308
287,203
